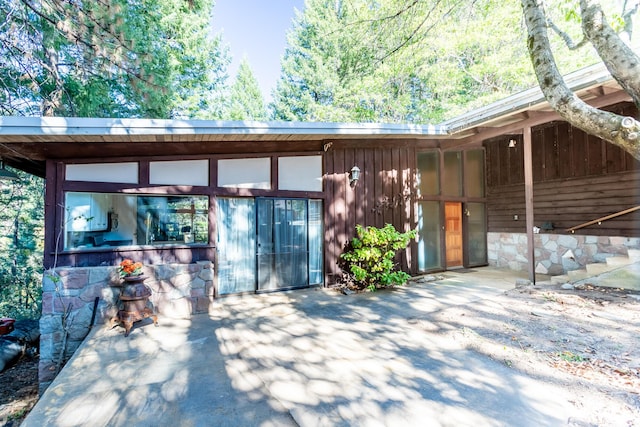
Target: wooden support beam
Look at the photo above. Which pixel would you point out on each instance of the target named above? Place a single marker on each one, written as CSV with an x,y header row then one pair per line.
x,y
528,196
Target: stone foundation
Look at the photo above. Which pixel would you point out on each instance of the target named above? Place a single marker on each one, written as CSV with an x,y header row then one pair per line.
x,y
178,291
555,253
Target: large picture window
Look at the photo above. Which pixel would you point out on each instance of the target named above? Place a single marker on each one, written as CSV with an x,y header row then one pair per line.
x,y
106,219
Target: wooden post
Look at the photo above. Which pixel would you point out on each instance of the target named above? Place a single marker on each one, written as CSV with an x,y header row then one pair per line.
x,y
528,195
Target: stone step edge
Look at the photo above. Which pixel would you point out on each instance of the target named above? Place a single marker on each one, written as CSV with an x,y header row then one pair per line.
x,y
579,275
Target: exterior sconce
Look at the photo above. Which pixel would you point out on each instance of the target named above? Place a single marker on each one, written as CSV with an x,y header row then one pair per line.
x,y
354,176
6,175
512,143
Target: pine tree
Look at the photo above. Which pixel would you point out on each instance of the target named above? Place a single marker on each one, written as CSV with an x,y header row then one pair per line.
x,y
403,62
246,102
151,58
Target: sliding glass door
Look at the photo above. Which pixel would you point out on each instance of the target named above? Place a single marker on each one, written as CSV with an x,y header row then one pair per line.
x,y
236,245
269,244
283,257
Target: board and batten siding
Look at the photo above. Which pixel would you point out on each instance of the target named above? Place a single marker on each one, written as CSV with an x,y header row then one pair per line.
x,y
383,195
577,178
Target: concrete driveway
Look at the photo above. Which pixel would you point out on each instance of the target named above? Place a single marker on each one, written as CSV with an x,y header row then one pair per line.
x,y
308,358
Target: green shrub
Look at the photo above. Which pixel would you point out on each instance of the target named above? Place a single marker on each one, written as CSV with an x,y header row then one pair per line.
x,y
368,257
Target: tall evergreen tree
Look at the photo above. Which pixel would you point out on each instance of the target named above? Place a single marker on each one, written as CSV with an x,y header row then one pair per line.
x,y
150,58
246,101
21,244
398,61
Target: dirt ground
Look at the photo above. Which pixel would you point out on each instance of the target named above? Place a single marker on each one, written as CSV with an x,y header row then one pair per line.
x,y
19,389
585,340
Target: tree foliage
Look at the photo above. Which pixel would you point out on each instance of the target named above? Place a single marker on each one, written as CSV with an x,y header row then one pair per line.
x,y
397,61
21,240
151,58
245,99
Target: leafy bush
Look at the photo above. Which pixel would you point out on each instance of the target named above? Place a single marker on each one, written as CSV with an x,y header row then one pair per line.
x,y
368,258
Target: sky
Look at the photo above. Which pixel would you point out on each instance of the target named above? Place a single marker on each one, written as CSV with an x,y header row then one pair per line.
x,y
256,29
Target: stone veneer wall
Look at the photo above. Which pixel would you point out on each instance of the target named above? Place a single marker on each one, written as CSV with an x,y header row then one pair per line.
x,y
510,250
178,291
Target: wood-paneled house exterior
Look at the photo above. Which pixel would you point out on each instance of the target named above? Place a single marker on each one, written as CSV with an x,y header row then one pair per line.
x,y
217,208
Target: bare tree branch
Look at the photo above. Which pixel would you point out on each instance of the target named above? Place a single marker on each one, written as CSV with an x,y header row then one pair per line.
x,y
566,37
621,61
621,131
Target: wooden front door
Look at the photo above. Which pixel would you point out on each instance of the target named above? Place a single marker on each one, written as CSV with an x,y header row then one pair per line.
x,y
453,233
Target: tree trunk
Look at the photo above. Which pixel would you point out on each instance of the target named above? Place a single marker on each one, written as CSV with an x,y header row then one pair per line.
x,y
621,61
616,129
14,344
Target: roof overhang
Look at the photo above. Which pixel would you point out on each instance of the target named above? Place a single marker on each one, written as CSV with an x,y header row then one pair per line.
x,y
26,142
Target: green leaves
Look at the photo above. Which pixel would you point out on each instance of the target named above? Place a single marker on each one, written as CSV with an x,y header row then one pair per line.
x,y
368,259
149,58
22,231
246,101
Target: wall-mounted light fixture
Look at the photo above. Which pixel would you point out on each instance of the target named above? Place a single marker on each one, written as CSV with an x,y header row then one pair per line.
x,y
6,175
354,176
512,143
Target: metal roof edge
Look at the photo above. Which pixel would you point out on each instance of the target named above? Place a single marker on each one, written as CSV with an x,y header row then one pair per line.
x,y
69,126
579,79
14,125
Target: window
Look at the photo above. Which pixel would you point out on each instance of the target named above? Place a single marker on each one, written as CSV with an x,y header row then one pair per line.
x,y
428,173
452,177
103,172
104,219
245,173
300,173
179,172
474,173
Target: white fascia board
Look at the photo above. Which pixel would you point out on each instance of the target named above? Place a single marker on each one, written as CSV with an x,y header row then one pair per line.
x,y
90,126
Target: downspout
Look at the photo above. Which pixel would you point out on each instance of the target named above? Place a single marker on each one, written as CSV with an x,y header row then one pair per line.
x,y
528,195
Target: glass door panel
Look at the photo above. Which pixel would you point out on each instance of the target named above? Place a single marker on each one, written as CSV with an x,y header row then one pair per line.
x,y
236,245
429,226
477,229
316,237
283,257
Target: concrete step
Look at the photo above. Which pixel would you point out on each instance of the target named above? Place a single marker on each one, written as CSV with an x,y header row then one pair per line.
x,y
559,280
578,274
619,261
594,269
634,254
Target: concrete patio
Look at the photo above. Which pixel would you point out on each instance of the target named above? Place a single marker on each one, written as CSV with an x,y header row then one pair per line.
x,y
309,358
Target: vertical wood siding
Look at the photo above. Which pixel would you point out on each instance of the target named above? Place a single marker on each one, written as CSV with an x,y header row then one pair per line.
x,y
383,195
577,178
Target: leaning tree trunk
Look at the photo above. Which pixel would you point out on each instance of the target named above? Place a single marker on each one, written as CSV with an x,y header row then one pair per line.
x,y
621,61
619,130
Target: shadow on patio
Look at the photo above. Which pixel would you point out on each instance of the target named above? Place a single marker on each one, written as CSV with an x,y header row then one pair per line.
x,y
309,358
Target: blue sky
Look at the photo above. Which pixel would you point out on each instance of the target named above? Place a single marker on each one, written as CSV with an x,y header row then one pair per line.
x,y
256,29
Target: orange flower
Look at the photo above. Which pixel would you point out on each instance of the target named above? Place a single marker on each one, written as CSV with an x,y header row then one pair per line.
x,y
129,268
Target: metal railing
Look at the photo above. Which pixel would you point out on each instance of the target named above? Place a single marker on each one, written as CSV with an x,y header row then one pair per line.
x,y
602,219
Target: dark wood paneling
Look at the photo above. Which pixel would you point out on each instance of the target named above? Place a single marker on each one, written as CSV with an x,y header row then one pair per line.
x,y
567,203
577,178
382,195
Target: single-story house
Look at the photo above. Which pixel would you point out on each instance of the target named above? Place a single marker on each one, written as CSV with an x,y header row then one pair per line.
x,y
217,208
